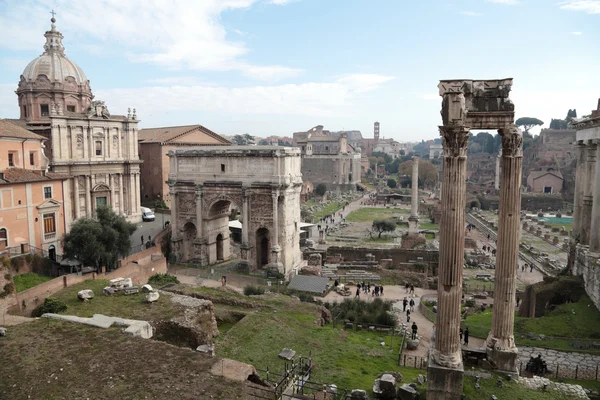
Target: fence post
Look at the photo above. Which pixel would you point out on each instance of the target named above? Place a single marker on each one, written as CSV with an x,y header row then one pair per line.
x,y
556,372
415,362
596,371
405,360
576,371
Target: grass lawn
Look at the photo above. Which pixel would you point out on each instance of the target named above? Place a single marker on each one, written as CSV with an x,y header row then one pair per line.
x,y
368,214
328,210
382,239
510,391
429,226
28,280
561,322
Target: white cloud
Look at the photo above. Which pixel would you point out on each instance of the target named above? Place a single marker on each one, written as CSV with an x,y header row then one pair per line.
x,y
280,2
429,96
507,2
576,33
471,13
176,35
587,6
307,99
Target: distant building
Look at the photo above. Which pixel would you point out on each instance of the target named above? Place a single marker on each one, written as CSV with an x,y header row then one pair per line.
x,y
387,146
32,200
435,151
545,181
155,143
328,159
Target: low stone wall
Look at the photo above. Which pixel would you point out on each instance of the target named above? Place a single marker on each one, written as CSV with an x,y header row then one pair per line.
x,y
8,297
587,266
139,267
397,255
551,290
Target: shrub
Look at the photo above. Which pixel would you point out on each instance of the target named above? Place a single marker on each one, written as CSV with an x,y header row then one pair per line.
x,y
558,215
321,189
541,214
162,279
391,183
50,305
253,290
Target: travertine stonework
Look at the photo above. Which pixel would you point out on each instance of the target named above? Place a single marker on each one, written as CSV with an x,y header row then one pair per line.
x,y
262,182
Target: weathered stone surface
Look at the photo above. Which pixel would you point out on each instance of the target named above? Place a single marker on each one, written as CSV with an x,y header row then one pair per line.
x,y
152,297
231,369
412,344
85,295
2,331
358,394
147,288
407,392
206,349
108,291
326,315
385,387
135,328
421,379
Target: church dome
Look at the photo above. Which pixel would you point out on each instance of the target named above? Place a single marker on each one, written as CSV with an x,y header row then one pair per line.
x,y
53,63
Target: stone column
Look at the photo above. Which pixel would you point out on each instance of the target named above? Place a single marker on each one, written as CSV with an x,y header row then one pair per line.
x,y
131,179
77,199
275,248
413,220
588,192
579,182
445,369
500,344
245,247
201,241
138,195
121,206
595,227
88,196
174,229
497,177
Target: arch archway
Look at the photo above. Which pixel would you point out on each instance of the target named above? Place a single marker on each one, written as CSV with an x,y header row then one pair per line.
x,y
262,247
52,252
189,235
220,247
3,238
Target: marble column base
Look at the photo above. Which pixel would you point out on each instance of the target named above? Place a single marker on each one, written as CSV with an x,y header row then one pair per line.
x,y
444,383
413,225
504,361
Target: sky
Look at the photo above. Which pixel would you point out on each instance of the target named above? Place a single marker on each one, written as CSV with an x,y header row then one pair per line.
x,y
274,67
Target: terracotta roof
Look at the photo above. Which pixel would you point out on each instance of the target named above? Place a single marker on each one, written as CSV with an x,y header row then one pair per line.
x,y
168,133
537,174
10,129
20,175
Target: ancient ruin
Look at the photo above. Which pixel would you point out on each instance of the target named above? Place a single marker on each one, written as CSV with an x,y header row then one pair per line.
x,y
467,105
413,220
263,182
586,217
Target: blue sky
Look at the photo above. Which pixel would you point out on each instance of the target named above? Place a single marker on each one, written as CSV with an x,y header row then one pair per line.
x,y
277,66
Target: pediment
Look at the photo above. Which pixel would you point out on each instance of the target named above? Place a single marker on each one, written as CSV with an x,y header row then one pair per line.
x,y
101,187
49,205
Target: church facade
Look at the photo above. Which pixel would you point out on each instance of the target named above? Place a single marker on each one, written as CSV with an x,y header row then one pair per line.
x,y
97,150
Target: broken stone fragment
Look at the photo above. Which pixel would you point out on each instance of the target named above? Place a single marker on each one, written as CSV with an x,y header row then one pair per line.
x,y
85,294
2,331
108,291
152,297
146,288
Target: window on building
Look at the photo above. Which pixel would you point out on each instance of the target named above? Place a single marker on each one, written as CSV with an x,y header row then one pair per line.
x,y
98,148
71,108
49,224
222,167
326,148
32,158
11,159
47,192
25,111
547,189
45,110
101,201
3,239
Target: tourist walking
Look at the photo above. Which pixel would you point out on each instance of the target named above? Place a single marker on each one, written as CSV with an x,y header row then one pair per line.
x,y
531,268
381,290
412,305
404,304
143,242
407,316
460,335
414,330
412,290
405,285
467,336
357,292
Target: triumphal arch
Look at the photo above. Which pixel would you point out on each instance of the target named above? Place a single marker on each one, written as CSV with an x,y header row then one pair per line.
x,y
263,183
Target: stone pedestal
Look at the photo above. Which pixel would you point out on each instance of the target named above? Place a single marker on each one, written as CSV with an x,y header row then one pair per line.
x,y
245,251
413,225
444,383
504,361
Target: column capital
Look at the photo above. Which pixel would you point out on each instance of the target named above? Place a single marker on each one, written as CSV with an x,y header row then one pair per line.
x,y
246,192
415,158
512,141
454,140
275,194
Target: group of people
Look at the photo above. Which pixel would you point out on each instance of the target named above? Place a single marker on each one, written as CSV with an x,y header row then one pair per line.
x,y
410,289
525,266
536,365
464,334
374,290
410,303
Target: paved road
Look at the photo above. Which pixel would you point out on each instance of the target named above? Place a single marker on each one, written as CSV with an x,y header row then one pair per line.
x,y
148,229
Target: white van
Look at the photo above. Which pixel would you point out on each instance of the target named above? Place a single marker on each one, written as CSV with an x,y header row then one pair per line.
x,y
147,214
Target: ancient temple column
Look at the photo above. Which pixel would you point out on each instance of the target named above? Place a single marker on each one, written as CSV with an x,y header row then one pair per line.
x,y
500,344
588,192
579,182
201,240
595,227
445,369
413,220
121,207
497,176
174,228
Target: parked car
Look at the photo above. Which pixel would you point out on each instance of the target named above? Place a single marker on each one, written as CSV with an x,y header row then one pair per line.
x,y
147,214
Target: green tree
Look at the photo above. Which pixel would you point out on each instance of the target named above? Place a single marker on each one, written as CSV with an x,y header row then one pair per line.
x,y
428,173
391,183
528,122
243,140
558,124
383,225
321,189
101,240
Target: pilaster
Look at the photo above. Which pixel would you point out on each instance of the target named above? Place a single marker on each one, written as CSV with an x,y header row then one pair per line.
x,y
595,225
579,183
588,192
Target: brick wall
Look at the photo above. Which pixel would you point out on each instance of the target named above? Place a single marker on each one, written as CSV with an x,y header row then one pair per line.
x,y
397,255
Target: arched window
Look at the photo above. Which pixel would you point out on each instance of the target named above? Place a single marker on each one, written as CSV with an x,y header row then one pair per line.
x,y
3,239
